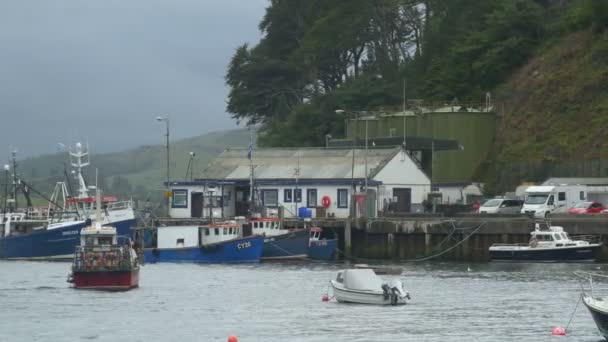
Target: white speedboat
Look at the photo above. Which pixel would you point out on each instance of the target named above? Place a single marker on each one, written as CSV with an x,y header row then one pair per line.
x,y
551,244
363,286
596,303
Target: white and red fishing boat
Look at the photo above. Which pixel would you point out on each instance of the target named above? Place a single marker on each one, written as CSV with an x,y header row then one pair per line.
x,y
101,262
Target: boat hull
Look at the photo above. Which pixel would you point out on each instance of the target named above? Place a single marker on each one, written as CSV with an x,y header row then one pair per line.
x,y
293,245
323,249
244,250
106,280
344,295
577,253
52,244
600,316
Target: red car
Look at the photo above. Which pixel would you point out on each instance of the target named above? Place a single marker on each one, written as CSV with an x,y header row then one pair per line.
x,y
587,208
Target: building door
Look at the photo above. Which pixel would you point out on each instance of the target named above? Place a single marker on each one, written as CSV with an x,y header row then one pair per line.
x,y
404,199
196,204
241,201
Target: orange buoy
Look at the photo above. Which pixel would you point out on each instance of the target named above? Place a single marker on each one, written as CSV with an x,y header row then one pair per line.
x,y
233,339
558,331
325,298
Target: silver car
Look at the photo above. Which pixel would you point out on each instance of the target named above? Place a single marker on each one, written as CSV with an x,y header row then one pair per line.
x,y
501,206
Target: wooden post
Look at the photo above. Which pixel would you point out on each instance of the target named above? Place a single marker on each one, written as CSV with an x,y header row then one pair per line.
x,y
428,249
347,239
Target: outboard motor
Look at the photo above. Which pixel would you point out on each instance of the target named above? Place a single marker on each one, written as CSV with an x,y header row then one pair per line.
x,y
397,289
386,290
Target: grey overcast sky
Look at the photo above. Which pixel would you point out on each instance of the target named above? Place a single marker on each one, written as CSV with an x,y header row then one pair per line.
x,y
103,70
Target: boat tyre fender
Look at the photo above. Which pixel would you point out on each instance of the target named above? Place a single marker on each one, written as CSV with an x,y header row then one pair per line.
x,y
109,259
88,260
533,243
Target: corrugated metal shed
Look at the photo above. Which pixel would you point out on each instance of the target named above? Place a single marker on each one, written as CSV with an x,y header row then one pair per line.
x,y
281,163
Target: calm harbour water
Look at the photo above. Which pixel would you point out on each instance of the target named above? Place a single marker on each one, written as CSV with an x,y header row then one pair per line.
x,y
282,302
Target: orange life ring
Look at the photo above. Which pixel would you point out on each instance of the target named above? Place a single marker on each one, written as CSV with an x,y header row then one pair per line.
x,y
326,201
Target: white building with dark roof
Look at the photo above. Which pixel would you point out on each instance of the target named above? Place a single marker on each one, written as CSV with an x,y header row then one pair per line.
x,y
292,178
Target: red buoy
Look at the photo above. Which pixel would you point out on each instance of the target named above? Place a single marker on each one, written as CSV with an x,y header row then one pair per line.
x,y
233,339
325,298
558,331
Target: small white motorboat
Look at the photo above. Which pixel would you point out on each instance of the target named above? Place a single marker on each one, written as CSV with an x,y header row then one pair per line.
x,y
363,286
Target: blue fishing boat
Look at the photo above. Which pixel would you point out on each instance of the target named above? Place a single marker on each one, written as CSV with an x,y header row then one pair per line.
x,y
279,243
321,248
212,244
53,232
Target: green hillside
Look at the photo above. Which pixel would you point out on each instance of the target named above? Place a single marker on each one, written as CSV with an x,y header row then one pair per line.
x,y
139,172
544,62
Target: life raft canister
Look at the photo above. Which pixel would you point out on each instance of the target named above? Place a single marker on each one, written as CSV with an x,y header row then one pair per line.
x,y
326,201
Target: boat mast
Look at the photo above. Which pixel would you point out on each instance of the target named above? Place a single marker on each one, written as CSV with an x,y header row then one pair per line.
x,y
80,159
297,174
250,157
13,198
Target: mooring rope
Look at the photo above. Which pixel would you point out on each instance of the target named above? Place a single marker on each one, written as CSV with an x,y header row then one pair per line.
x,y
580,298
476,229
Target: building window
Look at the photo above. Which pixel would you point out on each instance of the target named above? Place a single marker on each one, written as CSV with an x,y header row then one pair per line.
x,y
287,196
270,198
561,196
342,198
392,132
582,195
311,198
217,231
180,199
297,194
207,231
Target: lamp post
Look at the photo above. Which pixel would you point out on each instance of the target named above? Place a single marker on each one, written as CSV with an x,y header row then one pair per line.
x,y
327,139
165,119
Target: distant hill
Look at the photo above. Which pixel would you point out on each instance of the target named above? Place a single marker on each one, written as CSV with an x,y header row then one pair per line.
x,y
138,172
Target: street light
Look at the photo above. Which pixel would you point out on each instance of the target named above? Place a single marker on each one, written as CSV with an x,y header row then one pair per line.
x,y
166,120
327,139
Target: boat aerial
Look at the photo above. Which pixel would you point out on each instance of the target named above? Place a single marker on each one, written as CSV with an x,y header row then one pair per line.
x,y
363,286
549,244
220,242
101,262
321,248
53,232
596,304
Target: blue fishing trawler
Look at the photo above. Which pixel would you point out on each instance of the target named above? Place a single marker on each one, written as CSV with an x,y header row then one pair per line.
x,y
211,243
279,243
53,232
321,248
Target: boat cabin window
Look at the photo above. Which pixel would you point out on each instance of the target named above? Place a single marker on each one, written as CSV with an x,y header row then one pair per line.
x,y
564,236
556,237
230,231
340,279
225,231
105,240
255,225
89,240
217,231
206,231
180,243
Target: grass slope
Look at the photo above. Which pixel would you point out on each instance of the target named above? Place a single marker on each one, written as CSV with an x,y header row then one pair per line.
x,y
555,107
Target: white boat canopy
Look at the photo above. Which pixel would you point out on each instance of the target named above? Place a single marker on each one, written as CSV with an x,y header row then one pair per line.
x,y
362,280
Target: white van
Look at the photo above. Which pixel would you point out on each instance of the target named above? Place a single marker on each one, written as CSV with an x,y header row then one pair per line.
x,y
543,200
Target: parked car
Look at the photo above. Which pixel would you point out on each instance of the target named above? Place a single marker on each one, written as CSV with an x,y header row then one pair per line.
x,y
501,206
587,208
